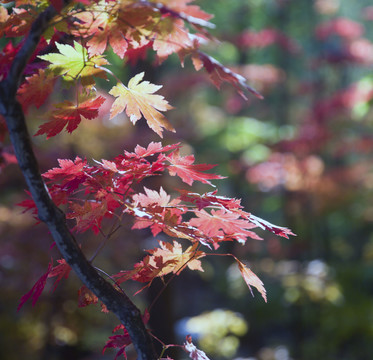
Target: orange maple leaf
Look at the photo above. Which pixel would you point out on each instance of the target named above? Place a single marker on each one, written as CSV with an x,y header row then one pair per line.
x,y
176,259
103,29
251,279
168,258
138,100
170,37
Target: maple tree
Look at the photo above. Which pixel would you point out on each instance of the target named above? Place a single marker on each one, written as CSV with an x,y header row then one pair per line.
x,y
64,42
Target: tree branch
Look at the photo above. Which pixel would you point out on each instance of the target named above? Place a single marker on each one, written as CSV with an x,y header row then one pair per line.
x,y
115,300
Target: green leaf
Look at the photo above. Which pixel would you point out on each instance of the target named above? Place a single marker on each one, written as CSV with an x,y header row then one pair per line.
x,y
74,62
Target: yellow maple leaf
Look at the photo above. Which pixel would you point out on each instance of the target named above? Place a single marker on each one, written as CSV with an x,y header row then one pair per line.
x,y
175,258
138,100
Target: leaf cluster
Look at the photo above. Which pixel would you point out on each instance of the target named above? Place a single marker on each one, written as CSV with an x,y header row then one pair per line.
x,y
72,51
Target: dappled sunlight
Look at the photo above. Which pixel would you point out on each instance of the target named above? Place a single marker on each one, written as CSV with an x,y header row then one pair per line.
x,y
217,331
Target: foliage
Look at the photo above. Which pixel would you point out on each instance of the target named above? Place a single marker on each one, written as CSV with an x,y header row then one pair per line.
x,y
72,54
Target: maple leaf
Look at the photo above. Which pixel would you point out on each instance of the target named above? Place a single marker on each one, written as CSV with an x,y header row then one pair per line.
x,y
29,205
168,258
152,197
251,279
60,271
68,170
138,100
143,271
102,27
210,198
86,297
157,211
184,168
8,53
266,225
177,259
36,89
36,290
133,55
20,21
119,341
190,13
193,352
122,24
154,148
122,341
222,220
170,37
74,62
70,115
170,33
88,216
218,73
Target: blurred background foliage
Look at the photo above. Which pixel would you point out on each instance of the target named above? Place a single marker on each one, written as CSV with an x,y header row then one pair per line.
x,y
300,158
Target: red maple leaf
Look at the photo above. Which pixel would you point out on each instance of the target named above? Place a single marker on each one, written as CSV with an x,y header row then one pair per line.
x,y
183,167
122,341
218,73
70,174
68,169
36,290
88,216
209,199
70,115
153,148
60,271
119,341
133,55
